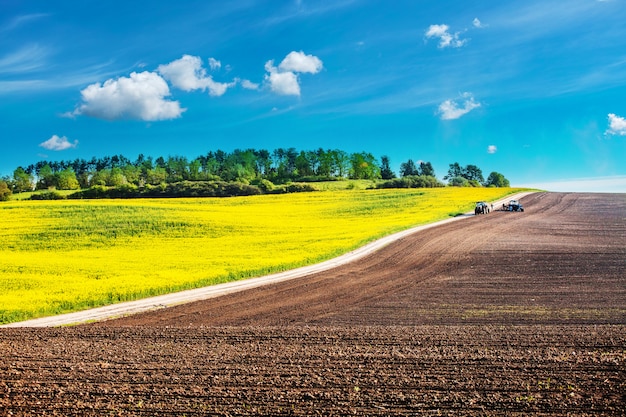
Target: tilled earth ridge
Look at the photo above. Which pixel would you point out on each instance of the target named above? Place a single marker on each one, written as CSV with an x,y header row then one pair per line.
x,y
233,371
503,314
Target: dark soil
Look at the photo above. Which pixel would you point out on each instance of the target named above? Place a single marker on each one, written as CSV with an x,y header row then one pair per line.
x,y
500,314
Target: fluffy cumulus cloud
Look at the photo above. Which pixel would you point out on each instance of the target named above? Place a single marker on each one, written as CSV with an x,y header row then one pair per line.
x,y
187,74
283,83
141,96
446,39
283,79
451,109
56,143
300,62
617,125
492,149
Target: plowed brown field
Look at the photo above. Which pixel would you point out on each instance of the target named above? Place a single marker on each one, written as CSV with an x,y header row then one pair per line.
x,y
505,314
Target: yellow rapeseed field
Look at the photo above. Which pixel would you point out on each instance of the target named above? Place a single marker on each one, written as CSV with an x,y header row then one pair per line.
x,y
61,256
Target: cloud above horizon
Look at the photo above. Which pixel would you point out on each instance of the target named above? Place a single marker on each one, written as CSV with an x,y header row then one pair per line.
x,y
141,96
450,109
300,62
617,125
214,64
144,96
477,23
249,85
56,143
491,149
446,39
283,79
188,74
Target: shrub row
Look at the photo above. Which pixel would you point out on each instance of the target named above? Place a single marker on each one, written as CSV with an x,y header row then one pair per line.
x,y
189,189
412,181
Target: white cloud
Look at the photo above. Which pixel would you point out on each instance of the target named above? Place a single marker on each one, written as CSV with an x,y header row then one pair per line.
x,y
492,149
300,62
187,74
446,39
283,83
140,96
450,109
477,23
249,85
214,64
56,143
617,125
283,79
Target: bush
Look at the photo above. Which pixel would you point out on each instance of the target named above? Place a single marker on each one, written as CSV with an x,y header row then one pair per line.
x,y
200,189
318,178
459,182
124,191
96,191
296,188
48,195
412,181
264,185
177,189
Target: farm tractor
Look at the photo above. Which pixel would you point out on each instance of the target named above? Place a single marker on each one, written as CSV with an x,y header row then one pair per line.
x,y
481,208
513,205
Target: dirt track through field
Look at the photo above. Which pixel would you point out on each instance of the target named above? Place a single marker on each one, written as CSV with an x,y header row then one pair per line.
x,y
563,260
501,314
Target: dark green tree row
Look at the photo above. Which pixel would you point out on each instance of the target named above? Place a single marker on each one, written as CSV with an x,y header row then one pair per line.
x,y
263,169
472,176
279,167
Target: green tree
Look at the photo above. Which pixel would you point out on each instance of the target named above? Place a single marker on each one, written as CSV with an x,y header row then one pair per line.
x,y
177,169
156,176
132,173
385,170
495,179
454,171
239,166
5,191
195,170
326,164
341,163
473,173
408,168
426,169
66,180
100,177
83,179
46,178
117,177
364,166
22,181
263,162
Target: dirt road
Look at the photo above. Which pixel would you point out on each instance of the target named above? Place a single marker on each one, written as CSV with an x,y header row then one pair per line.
x,y
562,261
502,314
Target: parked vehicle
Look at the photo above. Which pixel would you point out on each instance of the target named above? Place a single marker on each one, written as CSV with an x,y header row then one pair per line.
x,y
481,208
513,205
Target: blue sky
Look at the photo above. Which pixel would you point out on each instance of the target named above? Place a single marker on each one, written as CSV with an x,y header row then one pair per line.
x,y
535,90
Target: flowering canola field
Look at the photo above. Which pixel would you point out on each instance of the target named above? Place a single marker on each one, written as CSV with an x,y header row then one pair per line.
x,y
68,255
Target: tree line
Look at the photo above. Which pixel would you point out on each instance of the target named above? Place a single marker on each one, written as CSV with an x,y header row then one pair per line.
x,y
258,168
